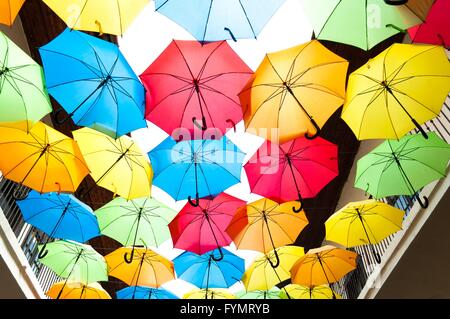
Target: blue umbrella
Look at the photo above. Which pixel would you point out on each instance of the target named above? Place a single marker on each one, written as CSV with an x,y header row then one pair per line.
x,y
59,216
209,20
139,292
197,167
205,271
94,83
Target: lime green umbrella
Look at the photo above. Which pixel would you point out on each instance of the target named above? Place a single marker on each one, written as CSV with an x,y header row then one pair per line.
x,y
23,96
274,293
361,23
403,167
143,220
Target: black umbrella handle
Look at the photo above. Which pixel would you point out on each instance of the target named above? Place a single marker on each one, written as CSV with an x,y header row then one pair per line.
x,y
203,126
43,252
425,203
231,34
127,259
318,130
420,128
299,200
196,202
277,258
233,124
393,26
376,255
58,119
19,194
220,257
396,2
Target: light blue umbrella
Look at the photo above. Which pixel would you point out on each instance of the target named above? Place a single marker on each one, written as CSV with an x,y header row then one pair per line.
x,y
196,168
59,216
139,292
94,83
215,20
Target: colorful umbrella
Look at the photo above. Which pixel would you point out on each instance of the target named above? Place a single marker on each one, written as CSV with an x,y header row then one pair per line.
x,y
113,17
372,20
146,269
9,9
23,96
204,271
403,167
362,223
94,83
143,219
59,216
220,20
208,222
117,165
75,262
209,294
144,293
294,91
198,167
273,293
294,170
390,95
265,225
303,292
42,159
76,290
191,83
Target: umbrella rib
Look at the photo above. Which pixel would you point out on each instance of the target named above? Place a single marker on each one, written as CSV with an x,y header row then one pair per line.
x,y
91,68
329,18
202,70
207,21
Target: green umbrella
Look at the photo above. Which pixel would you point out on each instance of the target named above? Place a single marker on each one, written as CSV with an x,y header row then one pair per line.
x,y
403,167
274,293
75,262
140,220
361,23
23,96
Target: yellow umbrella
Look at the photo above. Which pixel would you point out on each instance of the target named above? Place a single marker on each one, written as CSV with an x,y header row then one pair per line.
x,y
146,268
117,165
362,223
9,9
76,290
294,91
303,292
262,276
104,16
42,159
401,88
209,294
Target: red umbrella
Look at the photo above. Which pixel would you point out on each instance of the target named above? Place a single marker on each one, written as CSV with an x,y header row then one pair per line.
x,y
202,229
191,83
294,170
436,28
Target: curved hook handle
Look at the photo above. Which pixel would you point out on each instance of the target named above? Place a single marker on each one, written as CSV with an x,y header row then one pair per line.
x,y
43,252
396,2
19,194
57,118
130,259
233,124
425,203
298,210
318,130
376,255
202,127
100,29
193,203
221,255
277,263
231,34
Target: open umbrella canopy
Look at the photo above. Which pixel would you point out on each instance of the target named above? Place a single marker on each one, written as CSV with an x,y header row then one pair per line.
x,y
42,159
196,168
205,271
209,294
76,290
219,20
303,292
23,96
372,20
135,292
391,95
9,9
94,83
208,222
117,165
104,16
293,92
273,293
193,86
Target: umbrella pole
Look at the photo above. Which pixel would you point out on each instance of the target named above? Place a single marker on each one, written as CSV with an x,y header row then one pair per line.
x,y
215,238
82,291
43,252
277,262
138,274
326,276
207,277
278,276
375,254
195,203
203,126
300,200
125,256
70,273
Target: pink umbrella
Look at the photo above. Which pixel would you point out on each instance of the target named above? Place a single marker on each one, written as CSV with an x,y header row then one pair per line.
x,y
294,170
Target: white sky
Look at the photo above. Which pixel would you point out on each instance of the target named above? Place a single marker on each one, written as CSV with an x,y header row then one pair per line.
x,y
145,40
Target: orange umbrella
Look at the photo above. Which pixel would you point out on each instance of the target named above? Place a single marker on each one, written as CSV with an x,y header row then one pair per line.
x,y
9,9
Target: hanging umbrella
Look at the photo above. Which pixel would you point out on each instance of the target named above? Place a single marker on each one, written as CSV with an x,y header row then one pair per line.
x,y
42,159
147,268
220,20
209,294
191,85
294,91
436,28
9,9
265,225
75,262
23,96
197,168
362,223
117,165
104,16
207,221
294,170
389,96
59,216
128,222
371,22
303,292
403,167
144,293
77,290
273,293
323,266
94,83
204,271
